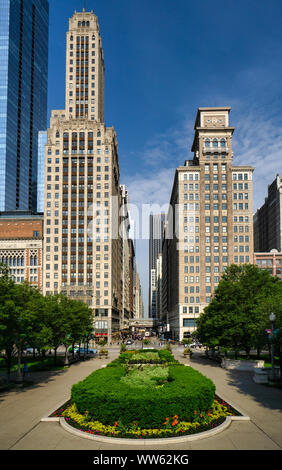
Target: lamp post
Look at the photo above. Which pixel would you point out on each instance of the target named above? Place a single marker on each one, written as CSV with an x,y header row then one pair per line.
x,y
272,319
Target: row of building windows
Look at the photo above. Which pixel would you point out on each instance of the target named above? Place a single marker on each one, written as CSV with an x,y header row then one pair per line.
x,y
191,309
215,156
240,206
19,260
207,207
215,176
215,143
215,167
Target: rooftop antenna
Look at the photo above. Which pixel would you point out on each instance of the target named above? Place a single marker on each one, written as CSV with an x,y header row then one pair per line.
x,y
84,5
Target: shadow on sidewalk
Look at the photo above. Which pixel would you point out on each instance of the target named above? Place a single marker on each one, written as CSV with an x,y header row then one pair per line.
x,y
37,379
242,381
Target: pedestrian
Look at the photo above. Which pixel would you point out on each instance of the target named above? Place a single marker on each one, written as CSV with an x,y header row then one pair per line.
x,y
25,369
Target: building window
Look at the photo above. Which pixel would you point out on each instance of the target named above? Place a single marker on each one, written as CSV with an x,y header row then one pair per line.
x,y
190,322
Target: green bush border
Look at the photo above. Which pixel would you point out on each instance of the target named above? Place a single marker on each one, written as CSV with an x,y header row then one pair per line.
x,y
106,399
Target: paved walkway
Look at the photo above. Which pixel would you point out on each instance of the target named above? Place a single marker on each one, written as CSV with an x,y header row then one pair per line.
x,y
22,410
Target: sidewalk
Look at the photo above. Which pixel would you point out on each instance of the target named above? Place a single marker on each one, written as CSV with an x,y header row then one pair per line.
x,y
21,411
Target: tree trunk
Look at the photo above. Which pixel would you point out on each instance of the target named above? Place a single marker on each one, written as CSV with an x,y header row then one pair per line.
x,y
19,377
247,349
55,356
66,356
42,359
8,363
258,352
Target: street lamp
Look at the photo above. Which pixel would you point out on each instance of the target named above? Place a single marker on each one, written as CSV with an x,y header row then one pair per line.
x,y
272,318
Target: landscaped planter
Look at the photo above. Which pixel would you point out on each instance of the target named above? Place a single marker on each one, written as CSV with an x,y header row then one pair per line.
x,y
260,375
237,364
145,402
263,375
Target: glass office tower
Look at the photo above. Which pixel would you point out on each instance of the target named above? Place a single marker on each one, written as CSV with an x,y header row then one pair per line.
x,y
23,98
42,141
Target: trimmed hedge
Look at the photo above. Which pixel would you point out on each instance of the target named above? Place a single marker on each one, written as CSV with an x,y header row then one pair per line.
x,y
129,357
108,399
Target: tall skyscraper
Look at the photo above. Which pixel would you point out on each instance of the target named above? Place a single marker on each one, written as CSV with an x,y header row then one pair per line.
x,y
156,228
42,141
268,220
82,246
211,204
23,98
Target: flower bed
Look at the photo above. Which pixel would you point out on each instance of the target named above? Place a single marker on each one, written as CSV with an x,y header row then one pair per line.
x,y
171,427
145,401
108,396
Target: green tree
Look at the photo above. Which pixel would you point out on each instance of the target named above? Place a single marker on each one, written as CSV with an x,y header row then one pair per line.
x,y
15,321
273,304
77,323
41,334
235,317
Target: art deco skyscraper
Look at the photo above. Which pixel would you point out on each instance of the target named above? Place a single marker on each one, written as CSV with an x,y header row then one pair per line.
x,y
23,99
83,256
211,203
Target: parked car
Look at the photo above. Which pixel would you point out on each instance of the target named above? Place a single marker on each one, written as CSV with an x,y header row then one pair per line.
x,y
82,351
129,341
196,344
30,350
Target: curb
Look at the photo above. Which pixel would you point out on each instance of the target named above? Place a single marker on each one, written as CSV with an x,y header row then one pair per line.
x,y
150,442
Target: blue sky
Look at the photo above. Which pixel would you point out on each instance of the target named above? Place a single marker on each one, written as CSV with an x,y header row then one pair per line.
x,y
164,59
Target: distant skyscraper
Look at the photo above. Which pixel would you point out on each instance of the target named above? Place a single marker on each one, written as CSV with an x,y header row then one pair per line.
x,y
23,98
155,248
42,141
268,220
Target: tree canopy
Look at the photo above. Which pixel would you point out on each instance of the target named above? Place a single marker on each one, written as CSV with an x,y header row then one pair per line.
x,y
238,313
27,318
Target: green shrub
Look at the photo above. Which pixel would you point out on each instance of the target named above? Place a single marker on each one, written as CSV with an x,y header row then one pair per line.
x,y
108,398
187,352
103,351
146,376
151,356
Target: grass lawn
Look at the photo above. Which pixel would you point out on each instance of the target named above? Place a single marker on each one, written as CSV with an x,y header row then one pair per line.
x,y
33,365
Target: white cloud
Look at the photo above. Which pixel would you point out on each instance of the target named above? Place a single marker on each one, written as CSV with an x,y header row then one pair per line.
x,y
257,141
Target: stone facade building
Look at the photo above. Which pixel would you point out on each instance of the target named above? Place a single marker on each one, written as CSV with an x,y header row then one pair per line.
x,y
268,220
82,245
21,241
156,228
271,262
210,224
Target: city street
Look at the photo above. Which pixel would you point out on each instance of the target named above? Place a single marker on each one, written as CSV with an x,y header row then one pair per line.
x,y
22,410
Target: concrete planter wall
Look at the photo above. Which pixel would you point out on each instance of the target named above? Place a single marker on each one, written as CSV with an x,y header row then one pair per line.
x,y
238,364
262,375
